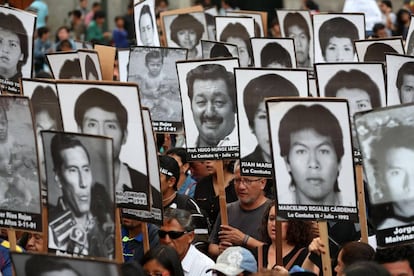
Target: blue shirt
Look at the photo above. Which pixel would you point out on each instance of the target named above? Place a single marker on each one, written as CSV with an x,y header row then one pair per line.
x,y
42,12
133,248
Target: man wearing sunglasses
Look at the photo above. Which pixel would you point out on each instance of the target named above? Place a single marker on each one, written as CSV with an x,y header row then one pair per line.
x,y
244,215
177,231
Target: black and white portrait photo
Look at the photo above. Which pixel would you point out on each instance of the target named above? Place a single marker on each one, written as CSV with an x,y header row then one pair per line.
x,y
335,34
258,17
253,86
409,43
386,138
154,70
46,114
146,24
273,52
214,49
238,31
312,155
400,79
26,264
65,65
112,110
80,200
123,61
90,66
185,30
17,30
374,50
362,85
208,95
19,177
298,25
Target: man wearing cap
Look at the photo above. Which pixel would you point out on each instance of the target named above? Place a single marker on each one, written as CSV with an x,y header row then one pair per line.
x,y
235,261
244,215
177,231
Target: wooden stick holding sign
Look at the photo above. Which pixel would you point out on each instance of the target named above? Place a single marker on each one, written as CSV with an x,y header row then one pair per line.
x,y
326,257
361,203
222,192
145,237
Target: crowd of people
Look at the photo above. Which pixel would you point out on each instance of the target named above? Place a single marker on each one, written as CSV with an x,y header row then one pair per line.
x,y
192,239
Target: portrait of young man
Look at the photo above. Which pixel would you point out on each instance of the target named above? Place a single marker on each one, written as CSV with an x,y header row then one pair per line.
x,y
313,140
146,25
17,30
112,111
209,102
297,25
81,214
400,79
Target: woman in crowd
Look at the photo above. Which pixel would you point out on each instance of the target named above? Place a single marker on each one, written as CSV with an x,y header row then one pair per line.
x,y
162,260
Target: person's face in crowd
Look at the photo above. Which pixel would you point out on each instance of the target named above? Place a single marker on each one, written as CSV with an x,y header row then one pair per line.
x,y
167,184
382,33
180,244
146,30
130,224
211,166
407,89
75,177
339,49
43,122
10,53
34,243
244,56
399,268
63,34
339,268
260,130
63,272
358,100
154,66
271,224
198,169
97,121
187,38
153,267
314,166
399,178
248,188
301,43
4,126
183,167
213,110
120,23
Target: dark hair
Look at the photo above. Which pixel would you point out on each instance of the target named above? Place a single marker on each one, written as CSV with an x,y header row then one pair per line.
x,y
60,142
354,79
13,24
96,4
376,52
90,68
99,14
183,217
70,69
336,27
45,99
219,50
132,268
77,13
36,265
410,46
153,55
387,3
145,9
96,97
63,43
167,257
365,268
395,254
355,251
215,72
58,30
239,31
170,165
298,233
269,85
377,27
180,152
42,30
406,69
184,22
274,53
295,19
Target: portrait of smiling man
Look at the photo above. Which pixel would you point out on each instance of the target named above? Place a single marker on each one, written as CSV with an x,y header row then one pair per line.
x,y
212,94
312,153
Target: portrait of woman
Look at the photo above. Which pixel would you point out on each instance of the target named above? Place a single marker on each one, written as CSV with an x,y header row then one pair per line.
x,y
336,36
237,34
186,32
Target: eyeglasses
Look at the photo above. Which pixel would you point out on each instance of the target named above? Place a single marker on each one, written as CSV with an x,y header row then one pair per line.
x,y
172,234
245,181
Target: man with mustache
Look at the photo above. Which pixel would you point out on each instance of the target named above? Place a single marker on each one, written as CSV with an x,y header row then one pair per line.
x,y
311,143
81,222
212,95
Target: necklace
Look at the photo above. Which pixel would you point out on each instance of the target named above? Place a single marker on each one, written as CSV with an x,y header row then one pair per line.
x,y
170,197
